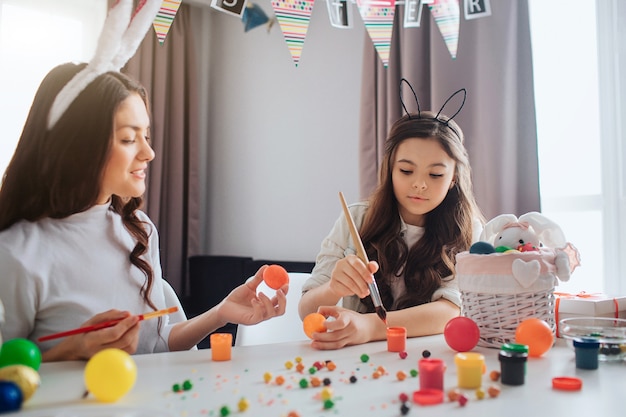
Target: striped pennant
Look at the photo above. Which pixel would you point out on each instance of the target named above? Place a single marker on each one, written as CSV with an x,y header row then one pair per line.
x,y
164,18
378,18
293,16
447,16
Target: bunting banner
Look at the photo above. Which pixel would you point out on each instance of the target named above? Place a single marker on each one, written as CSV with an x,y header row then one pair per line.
x,y
447,15
378,18
293,17
164,18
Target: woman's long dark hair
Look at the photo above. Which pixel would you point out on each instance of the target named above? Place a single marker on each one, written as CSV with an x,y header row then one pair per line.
x,y
58,172
448,228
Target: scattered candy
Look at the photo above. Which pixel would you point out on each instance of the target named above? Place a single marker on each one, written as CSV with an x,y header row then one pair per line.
x,y
187,385
403,397
298,359
318,365
312,370
304,383
293,414
462,400
299,367
280,380
453,394
494,375
327,393
480,393
176,388
376,375
364,358
243,405
267,377
288,364
493,391
426,353
313,323
224,411
275,276
315,381
401,375
403,355
328,404
414,372
330,365
326,382
353,379
404,409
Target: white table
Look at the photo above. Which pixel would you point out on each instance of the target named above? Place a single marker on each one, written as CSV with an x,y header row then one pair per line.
x,y
216,384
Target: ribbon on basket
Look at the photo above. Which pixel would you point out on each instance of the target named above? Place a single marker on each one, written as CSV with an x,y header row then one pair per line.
x,y
583,295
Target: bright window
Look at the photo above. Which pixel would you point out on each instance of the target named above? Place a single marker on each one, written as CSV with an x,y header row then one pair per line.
x,y
35,36
566,38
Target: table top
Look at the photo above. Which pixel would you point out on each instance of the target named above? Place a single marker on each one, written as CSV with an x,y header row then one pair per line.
x,y
224,384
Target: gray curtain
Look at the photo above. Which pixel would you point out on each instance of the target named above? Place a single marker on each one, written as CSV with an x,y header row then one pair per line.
x,y
168,72
494,64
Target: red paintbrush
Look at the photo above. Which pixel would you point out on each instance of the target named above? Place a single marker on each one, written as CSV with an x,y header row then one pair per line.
x,y
106,324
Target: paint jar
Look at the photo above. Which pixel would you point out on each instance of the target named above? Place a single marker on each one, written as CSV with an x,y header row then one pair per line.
x,y
470,367
513,357
431,373
396,339
587,350
221,346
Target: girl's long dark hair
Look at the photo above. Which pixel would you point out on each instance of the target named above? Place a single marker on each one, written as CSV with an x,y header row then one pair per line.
x,y
56,173
448,228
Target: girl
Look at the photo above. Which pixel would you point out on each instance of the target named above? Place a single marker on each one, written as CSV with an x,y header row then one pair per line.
x,y
422,213
75,249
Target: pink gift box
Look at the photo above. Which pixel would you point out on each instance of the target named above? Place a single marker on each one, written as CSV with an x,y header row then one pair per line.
x,y
588,305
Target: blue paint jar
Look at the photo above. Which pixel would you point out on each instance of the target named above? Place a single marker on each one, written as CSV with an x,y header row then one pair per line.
x,y
587,350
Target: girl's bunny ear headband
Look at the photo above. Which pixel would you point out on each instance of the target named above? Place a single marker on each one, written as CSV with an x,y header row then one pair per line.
x,y
118,42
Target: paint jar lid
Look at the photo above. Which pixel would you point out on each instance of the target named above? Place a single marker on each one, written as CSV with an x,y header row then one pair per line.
x,y
514,347
586,343
566,383
428,396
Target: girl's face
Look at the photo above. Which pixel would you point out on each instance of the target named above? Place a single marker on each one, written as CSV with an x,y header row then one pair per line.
x,y
125,171
422,174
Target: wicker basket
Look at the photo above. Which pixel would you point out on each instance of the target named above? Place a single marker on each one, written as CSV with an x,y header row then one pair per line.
x,y
500,290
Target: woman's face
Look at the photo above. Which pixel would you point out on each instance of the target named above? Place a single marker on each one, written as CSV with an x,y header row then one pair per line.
x,y
125,171
422,174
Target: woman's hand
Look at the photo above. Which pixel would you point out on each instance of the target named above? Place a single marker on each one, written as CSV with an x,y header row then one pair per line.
x,y
124,335
346,328
244,306
351,276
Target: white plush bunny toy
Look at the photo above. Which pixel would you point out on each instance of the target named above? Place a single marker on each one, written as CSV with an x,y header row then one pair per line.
x,y
533,232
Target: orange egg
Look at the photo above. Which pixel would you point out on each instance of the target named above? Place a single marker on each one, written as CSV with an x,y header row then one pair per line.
x,y
536,334
275,276
314,323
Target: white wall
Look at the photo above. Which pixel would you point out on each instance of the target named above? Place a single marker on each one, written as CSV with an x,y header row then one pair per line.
x,y
282,140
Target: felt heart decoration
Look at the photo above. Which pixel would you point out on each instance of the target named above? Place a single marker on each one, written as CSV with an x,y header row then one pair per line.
x,y
526,273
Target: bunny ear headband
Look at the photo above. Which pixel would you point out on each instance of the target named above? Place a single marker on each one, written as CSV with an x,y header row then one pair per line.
x,y
118,42
436,118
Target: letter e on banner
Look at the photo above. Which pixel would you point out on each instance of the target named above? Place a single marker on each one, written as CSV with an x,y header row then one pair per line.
x,y
477,8
413,13
233,7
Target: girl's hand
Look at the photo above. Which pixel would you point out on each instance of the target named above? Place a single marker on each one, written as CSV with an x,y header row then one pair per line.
x,y
351,276
124,335
348,328
244,306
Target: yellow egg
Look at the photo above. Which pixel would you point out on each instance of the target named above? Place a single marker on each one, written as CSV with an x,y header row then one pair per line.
x,y
25,377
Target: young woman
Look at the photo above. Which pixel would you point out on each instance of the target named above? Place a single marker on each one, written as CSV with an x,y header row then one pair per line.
x,y
422,213
75,249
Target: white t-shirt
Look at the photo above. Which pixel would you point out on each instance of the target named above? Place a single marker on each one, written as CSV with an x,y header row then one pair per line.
x,y
55,274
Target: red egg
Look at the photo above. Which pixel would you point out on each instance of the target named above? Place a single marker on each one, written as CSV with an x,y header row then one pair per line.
x,y
461,334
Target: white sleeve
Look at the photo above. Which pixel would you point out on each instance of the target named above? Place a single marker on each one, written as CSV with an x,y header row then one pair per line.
x,y
20,297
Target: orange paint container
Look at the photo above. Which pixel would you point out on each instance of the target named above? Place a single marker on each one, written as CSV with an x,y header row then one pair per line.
x,y
221,346
396,339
